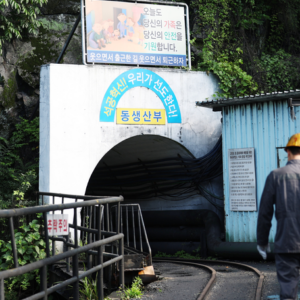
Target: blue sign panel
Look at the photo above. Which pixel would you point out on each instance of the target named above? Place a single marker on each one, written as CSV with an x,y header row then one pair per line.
x,y
134,78
136,58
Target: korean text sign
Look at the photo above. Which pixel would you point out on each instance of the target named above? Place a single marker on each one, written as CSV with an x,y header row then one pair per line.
x,y
134,78
135,33
57,224
141,116
242,179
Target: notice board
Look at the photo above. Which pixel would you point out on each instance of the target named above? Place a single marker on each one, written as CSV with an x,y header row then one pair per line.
x,y
123,32
242,179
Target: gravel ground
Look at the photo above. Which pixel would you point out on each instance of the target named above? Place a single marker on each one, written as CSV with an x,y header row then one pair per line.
x,y
233,284
183,282
270,286
176,282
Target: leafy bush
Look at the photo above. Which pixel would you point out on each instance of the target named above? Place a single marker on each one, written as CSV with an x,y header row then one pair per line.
x,y
30,248
281,70
18,161
18,165
252,46
18,18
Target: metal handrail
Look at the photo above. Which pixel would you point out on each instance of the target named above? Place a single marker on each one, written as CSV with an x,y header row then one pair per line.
x,y
98,243
51,260
140,221
5,213
72,196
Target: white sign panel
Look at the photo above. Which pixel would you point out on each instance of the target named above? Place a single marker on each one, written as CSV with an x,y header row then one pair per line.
x,y
242,180
135,33
57,224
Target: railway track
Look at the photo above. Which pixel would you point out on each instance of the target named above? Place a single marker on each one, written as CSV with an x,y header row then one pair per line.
x,y
218,268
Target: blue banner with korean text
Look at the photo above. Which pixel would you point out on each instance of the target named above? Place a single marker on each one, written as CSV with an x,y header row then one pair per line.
x,y
136,58
134,78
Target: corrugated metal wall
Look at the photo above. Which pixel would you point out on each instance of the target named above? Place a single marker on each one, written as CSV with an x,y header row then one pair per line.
x,y
264,126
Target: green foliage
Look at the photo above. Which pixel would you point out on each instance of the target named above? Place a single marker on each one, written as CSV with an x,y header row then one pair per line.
x,y
232,77
18,18
52,25
88,290
30,247
252,46
7,97
134,292
281,69
27,131
17,171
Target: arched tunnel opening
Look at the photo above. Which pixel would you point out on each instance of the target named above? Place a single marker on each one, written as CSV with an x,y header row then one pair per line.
x,y
175,190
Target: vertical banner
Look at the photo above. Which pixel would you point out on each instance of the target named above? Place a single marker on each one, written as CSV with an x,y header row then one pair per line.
x,y
135,33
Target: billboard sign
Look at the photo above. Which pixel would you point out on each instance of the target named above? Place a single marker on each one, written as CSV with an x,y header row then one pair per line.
x,y
135,33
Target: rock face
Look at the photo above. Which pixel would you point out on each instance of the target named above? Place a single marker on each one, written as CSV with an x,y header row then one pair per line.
x,y
21,60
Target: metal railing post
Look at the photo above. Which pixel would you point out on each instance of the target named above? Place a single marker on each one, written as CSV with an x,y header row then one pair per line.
x,y
2,295
121,220
121,264
46,234
127,225
89,236
140,230
75,259
53,242
107,216
13,241
43,279
100,259
118,218
147,241
133,226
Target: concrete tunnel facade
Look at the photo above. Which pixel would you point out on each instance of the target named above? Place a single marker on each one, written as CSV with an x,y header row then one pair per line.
x,y
79,135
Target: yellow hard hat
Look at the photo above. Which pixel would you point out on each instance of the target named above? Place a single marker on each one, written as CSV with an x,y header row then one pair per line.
x,y
294,141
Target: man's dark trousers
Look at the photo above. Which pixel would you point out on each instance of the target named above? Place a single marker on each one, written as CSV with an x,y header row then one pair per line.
x,y
288,265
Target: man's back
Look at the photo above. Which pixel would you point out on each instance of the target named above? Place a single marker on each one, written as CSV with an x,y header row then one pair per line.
x,y
282,188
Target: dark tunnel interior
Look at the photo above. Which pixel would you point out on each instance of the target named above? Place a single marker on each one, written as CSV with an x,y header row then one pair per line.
x,y
148,167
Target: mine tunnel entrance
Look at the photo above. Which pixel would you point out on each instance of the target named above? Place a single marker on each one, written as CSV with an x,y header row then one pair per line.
x,y
174,189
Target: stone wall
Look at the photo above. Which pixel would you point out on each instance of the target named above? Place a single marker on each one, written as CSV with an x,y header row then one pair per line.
x,y
21,60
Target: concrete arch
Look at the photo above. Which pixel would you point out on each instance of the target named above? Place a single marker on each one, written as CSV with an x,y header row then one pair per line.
x,y
139,148
73,140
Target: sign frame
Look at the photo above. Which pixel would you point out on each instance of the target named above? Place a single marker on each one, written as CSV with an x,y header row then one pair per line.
x,y
166,3
237,174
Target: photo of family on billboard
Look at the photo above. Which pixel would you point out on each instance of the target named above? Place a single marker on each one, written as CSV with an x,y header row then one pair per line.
x,y
131,33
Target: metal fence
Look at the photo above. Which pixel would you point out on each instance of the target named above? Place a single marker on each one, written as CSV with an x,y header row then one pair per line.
x,y
131,216
97,243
